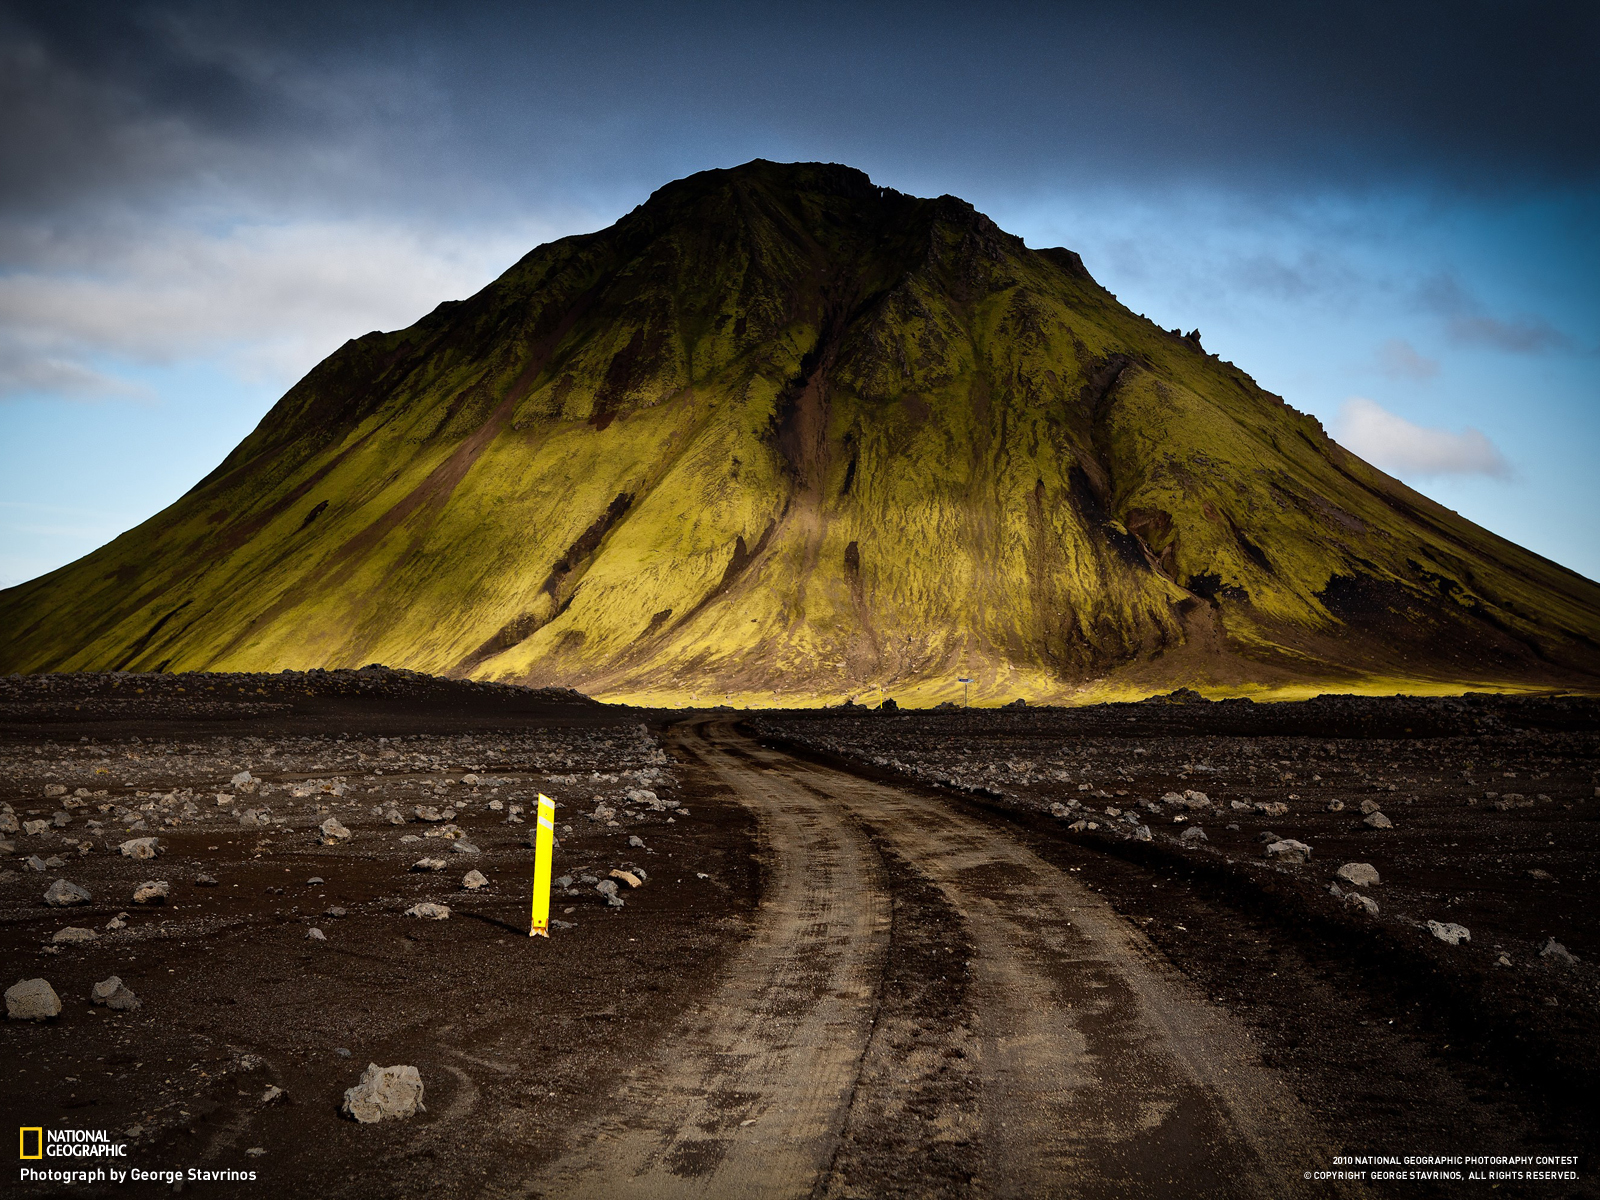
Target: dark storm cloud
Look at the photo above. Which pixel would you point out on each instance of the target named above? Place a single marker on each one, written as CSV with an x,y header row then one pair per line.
x,y
421,104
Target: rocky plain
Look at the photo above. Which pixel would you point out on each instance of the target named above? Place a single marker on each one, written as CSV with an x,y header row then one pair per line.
x,y
279,923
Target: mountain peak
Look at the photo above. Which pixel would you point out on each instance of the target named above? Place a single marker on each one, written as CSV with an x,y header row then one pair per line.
x,y
780,435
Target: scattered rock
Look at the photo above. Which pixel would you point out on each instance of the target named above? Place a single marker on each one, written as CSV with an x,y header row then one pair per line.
x,y
32,1000
250,819
152,891
1358,874
335,912
469,780
145,847
1368,807
316,935
636,842
425,813
1335,805
603,813
465,847
429,864
114,994
243,782
473,880
205,881
1366,903
63,894
333,831
1193,836
1142,833
1449,931
1289,851
73,935
1555,950
385,1093
1539,873
1378,821
565,881
273,1095
35,863
1274,808
35,828
627,877
429,911
608,889
120,921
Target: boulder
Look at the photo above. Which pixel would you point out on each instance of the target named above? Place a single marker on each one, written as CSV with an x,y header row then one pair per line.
x,y
1365,903
1359,874
114,995
1287,850
1378,821
1556,952
1368,807
429,911
32,1000
1193,836
333,830
473,880
152,891
429,864
1449,931
62,894
141,848
72,935
385,1093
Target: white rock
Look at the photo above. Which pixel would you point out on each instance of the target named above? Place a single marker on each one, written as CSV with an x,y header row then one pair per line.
x,y
333,830
1449,931
145,847
152,891
1288,850
244,782
473,880
316,935
32,1000
429,864
429,911
1378,821
385,1093
1359,874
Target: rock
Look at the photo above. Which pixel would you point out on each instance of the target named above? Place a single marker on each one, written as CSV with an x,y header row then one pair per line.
x,y
243,782
52,790
608,889
1142,833
1358,874
145,847
205,881
316,935
473,880
1378,821
1555,950
429,911
429,864
54,861
1365,903
1335,805
425,813
465,847
1274,808
250,819
627,877
315,881
32,1000
469,780
564,882
1193,836
603,813
152,891
35,828
1368,807
385,1093
73,935
1539,873
35,863
273,1095
120,921
395,817
333,830
62,894
1288,850
636,842
1059,809
1449,931
8,822
335,912
114,994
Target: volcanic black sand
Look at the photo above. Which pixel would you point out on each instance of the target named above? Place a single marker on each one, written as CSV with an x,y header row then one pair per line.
x,y
871,953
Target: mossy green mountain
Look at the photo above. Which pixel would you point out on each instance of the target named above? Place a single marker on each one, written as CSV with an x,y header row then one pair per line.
x,y
782,436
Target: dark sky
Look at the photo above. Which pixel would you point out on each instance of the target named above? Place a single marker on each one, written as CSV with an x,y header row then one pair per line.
x,y
1388,212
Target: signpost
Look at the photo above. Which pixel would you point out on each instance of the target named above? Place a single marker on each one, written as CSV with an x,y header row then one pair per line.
x,y
963,681
543,848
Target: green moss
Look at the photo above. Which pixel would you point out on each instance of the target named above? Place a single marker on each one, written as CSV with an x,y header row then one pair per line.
x,y
781,437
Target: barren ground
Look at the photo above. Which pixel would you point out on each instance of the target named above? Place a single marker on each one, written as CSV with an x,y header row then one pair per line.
x,y
868,960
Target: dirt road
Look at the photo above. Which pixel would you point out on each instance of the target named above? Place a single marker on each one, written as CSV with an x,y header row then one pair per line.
x,y
1054,1052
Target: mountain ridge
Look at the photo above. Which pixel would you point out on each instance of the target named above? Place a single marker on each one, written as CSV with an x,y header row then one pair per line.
x,y
880,430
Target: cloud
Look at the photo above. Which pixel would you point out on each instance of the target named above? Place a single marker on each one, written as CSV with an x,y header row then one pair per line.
x,y
268,300
1468,321
1396,445
1401,360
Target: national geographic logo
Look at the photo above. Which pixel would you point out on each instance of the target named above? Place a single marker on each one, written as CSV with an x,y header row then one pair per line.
x,y
36,1142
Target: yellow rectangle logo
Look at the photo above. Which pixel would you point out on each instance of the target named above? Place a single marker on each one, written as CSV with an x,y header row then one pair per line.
x,y
38,1141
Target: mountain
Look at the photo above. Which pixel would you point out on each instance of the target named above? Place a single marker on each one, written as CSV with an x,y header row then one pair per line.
x,y
782,435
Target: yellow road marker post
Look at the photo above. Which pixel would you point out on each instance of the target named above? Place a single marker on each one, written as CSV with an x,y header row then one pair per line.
x,y
543,847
